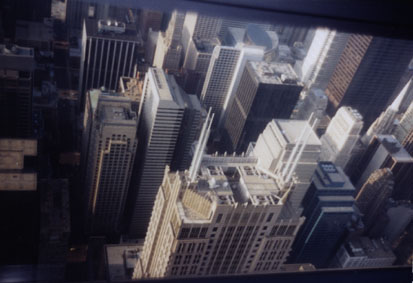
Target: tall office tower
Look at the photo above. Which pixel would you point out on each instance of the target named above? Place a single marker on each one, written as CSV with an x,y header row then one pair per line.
x,y
367,74
230,219
199,27
54,222
149,19
341,136
110,49
291,34
289,146
16,83
108,151
405,126
228,63
195,67
385,123
161,117
384,151
266,91
217,82
315,101
403,173
328,207
373,195
192,120
323,55
363,252
168,51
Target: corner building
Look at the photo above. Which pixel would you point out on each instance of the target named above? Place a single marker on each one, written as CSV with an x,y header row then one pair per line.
x,y
231,220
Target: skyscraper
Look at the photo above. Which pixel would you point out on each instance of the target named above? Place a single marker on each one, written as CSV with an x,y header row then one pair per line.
x,y
168,52
405,126
367,74
289,149
328,207
266,91
385,123
108,151
110,50
16,84
196,63
322,57
149,19
403,173
192,120
383,152
230,220
341,136
161,114
221,69
227,65
315,101
374,194
199,27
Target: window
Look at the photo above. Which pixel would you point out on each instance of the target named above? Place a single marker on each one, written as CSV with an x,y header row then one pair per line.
x,y
219,218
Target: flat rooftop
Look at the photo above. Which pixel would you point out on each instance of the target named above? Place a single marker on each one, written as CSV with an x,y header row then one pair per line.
x,y
167,87
274,72
292,129
395,149
120,259
130,33
206,46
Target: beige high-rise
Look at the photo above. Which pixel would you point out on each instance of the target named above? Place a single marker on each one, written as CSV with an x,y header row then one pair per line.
x,y
231,220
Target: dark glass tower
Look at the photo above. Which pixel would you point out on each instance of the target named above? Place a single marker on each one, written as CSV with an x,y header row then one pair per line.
x,y
328,206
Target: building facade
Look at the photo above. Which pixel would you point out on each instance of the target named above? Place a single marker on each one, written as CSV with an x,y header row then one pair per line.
x,y
290,149
266,91
367,74
341,136
108,151
161,114
229,221
328,207
110,50
16,84
374,194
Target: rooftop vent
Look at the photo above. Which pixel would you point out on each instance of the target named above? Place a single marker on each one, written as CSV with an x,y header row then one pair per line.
x,y
111,26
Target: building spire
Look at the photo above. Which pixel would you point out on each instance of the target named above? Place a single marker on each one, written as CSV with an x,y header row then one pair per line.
x,y
400,97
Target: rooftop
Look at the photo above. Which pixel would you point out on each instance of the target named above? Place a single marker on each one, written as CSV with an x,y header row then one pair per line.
x,y
395,149
102,29
371,248
167,87
241,184
274,73
292,129
206,46
15,57
121,260
328,176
